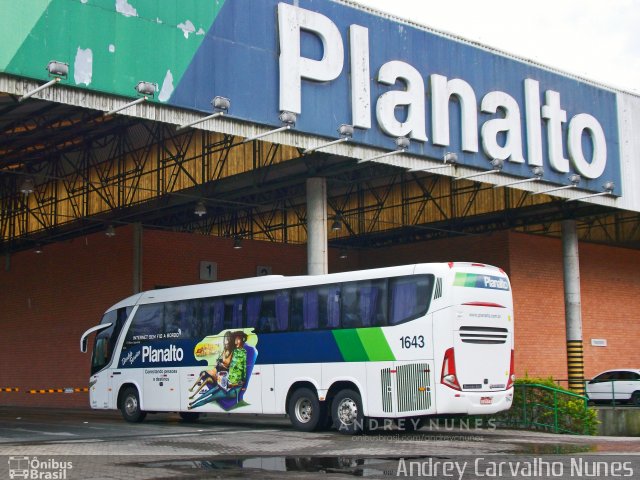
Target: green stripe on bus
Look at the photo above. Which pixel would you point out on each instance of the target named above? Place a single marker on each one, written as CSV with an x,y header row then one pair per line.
x,y
350,346
465,280
375,344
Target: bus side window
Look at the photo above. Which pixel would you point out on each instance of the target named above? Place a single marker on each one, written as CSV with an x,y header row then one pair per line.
x,y
283,300
147,324
410,297
193,326
350,310
180,319
233,311
306,311
254,307
296,322
373,303
364,303
268,311
212,316
329,306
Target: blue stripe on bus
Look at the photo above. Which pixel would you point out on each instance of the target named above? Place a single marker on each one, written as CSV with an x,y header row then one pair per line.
x,y
298,347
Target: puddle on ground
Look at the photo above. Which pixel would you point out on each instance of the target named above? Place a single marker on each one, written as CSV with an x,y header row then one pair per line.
x,y
357,467
554,448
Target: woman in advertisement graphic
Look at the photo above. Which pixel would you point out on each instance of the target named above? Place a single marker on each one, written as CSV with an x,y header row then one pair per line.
x,y
209,378
227,384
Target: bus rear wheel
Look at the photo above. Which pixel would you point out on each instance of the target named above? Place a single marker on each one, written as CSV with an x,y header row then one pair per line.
x,y
130,406
304,410
346,411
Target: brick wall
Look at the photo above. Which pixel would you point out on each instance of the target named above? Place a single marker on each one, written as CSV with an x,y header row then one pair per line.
x,y
48,300
538,296
172,259
610,287
492,249
610,291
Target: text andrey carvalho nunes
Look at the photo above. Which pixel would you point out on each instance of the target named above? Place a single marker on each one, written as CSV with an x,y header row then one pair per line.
x,y
534,467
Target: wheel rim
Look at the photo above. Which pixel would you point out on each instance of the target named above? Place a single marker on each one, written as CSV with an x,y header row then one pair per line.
x,y
347,411
303,410
131,405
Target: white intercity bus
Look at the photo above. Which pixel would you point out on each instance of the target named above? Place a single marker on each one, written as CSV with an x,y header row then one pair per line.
x,y
404,342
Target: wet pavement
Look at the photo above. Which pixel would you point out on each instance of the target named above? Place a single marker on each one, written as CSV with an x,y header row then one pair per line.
x,y
86,444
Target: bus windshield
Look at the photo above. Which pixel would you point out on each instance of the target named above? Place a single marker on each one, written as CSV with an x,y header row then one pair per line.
x,y
105,341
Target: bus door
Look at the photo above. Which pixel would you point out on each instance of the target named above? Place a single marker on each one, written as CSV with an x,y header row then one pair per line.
x,y
265,374
161,389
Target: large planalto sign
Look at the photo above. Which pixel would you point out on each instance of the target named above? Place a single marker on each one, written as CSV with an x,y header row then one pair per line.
x,y
331,64
573,143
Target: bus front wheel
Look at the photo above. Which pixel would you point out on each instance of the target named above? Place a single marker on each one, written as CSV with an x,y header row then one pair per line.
x,y
304,410
346,411
130,406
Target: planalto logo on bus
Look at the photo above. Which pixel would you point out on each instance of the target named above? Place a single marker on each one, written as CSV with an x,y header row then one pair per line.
x,y
473,280
169,354
495,282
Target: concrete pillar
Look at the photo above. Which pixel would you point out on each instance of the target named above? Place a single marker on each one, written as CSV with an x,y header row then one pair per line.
x,y
572,306
317,245
137,258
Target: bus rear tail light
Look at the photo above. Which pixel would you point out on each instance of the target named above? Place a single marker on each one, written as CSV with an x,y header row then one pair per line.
x,y
448,376
512,372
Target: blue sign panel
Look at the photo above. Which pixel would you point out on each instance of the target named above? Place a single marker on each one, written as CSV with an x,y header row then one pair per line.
x,y
332,64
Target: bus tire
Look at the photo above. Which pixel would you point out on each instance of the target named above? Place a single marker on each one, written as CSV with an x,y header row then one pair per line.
x,y
347,413
304,410
189,416
130,406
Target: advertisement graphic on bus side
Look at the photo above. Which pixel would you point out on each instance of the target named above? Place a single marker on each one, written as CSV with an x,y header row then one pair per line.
x,y
230,357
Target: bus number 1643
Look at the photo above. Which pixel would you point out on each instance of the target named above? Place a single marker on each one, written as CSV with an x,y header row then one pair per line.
x,y
417,341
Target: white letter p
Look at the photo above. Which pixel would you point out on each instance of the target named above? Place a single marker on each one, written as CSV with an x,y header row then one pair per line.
x,y
293,67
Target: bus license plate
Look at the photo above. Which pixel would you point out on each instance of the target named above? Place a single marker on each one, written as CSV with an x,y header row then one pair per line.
x,y
485,400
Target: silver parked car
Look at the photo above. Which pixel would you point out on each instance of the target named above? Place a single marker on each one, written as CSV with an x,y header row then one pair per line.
x,y
620,385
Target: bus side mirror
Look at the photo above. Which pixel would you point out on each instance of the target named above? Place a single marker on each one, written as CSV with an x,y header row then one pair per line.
x,y
85,335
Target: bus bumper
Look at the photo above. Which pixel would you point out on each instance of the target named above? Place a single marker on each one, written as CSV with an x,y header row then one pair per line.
x,y
474,403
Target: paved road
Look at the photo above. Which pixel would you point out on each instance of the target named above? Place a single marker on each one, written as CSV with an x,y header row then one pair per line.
x,y
83,444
